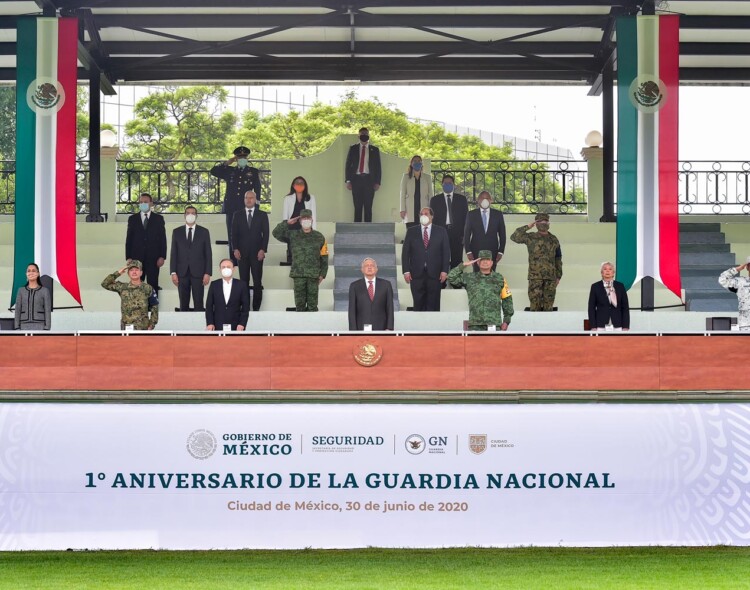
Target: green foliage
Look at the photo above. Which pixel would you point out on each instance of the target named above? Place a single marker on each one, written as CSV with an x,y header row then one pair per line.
x,y
297,135
187,122
7,122
683,568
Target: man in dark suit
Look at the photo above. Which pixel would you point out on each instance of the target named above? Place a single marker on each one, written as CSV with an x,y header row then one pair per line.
x,y
250,234
450,212
425,258
146,240
240,179
485,230
190,260
370,300
608,302
228,301
362,173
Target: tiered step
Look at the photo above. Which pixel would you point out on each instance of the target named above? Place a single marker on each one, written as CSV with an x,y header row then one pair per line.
x,y
704,255
355,241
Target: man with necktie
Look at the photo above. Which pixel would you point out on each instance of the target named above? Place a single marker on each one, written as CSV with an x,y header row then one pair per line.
x,y
450,210
608,302
370,300
362,173
250,233
425,260
190,260
485,230
146,240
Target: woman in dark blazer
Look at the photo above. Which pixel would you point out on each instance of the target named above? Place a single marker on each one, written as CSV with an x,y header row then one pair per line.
x,y
608,302
33,303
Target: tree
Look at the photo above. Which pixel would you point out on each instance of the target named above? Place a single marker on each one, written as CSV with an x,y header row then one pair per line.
x,y
7,123
298,135
178,123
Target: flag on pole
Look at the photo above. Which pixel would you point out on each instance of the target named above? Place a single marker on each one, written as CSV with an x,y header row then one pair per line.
x,y
46,85
648,238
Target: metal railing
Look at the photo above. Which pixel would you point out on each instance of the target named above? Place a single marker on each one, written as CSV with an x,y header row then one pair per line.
x,y
520,186
706,187
175,184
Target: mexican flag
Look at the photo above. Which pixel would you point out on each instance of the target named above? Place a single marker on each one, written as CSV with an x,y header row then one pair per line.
x,y
648,239
46,85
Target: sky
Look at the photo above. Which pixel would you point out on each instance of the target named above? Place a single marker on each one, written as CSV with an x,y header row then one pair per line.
x,y
714,121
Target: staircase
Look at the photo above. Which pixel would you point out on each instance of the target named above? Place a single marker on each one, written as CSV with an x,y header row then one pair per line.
x,y
704,255
352,243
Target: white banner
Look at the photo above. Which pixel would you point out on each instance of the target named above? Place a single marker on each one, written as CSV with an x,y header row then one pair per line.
x,y
294,476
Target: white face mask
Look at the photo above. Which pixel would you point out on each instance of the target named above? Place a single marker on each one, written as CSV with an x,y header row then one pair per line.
x,y
226,272
306,223
190,219
424,219
242,162
485,204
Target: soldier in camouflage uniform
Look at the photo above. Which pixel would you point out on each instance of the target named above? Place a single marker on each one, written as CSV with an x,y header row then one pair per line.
x,y
731,280
545,262
139,304
309,259
490,299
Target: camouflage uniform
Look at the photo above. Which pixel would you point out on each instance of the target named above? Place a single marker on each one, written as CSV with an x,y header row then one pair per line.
x,y
730,279
545,265
135,301
490,299
309,262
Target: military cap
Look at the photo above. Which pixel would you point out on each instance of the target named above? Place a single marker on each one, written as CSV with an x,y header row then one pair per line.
x,y
135,264
485,255
542,217
305,213
242,151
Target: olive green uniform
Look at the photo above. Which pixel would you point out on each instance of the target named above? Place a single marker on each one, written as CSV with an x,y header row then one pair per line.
x,y
490,299
309,263
545,266
137,305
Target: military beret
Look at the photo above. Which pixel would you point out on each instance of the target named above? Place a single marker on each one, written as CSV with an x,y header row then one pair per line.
x,y
542,217
242,151
305,213
485,255
135,264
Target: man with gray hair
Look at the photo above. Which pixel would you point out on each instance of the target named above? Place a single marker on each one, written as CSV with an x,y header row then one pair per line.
x,y
731,280
370,300
608,302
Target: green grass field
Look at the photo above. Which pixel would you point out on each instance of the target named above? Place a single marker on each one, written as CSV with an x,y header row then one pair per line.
x,y
620,568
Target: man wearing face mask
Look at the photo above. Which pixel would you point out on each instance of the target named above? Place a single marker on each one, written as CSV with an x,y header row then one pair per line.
x,y
309,259
362,173
250,240
190,260
545,262
240,179
139,304
731,279
485,230
146,240
450,212
426,258
228,301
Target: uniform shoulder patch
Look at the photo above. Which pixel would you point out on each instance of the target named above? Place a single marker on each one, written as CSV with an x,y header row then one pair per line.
x,y
324,249
505,293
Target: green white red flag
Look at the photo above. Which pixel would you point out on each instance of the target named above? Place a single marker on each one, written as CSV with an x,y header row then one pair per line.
x,y
648,242
46,85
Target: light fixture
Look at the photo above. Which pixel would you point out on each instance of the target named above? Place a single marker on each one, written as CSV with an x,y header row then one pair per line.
x,y
107,138
594,139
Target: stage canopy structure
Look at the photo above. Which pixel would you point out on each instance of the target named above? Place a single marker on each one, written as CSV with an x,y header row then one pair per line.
x,y
379,41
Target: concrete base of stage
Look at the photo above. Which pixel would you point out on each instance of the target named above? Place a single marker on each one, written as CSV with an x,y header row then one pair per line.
x,y
405,321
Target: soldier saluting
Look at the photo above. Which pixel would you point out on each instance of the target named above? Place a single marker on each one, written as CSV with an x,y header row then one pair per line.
x,y
490,299
139,305
545,262
309,259
240,179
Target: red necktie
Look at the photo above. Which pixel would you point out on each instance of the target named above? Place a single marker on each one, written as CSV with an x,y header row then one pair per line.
x,y
426,238
370,290
362,159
